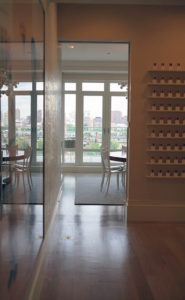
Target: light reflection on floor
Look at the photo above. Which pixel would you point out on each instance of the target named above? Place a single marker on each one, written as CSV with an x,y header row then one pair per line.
x,y
23,194
21,229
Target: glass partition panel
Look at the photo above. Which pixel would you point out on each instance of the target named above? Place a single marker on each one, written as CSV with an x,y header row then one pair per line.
x,y
40,141
21,136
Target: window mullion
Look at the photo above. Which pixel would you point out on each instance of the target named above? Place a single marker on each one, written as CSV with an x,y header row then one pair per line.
x,y
79,124
11,119
34,122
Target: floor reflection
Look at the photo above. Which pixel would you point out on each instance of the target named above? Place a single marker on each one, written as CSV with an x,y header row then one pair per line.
x,y
23,194
20,240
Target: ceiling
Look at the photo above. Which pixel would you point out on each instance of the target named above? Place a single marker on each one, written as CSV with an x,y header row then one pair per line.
x,y
94,57
80,52
75,57
94,51
139,2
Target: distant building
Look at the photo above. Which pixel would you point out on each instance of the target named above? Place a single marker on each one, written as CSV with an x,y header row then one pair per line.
x,y
116,117
124,120
5,119
88,122
97,122
39,116
17,114
28,120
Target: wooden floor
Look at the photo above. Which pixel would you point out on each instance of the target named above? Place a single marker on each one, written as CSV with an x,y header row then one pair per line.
x,y
22,194
21,231
93,255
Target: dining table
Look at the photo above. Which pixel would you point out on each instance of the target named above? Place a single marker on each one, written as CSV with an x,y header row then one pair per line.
x,y
18,155
120,156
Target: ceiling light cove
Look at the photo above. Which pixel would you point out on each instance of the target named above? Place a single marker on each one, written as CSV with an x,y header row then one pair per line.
x,y
70,47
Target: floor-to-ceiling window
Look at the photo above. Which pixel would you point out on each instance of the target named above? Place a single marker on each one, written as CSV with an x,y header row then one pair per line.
x,y
25,107
22,126
94,116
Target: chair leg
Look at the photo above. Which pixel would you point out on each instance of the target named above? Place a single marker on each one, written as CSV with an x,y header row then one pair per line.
x,y
108,182
123,178
17,178
23,181
28,178
102,182
118,181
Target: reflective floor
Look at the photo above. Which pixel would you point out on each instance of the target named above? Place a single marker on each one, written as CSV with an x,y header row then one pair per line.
x,y
23,193
92,254
21,229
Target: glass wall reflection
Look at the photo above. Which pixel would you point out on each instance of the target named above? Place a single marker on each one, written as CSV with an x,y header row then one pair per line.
x,y
21,143
22,117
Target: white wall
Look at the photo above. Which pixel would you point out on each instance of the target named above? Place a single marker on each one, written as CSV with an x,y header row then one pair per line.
x,y
156,34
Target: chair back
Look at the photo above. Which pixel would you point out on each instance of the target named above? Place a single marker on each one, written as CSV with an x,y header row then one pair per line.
x,y
105,159
12,150
124,148
27,157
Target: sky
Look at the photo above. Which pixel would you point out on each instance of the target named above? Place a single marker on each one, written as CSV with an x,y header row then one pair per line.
x,y
93,105
23,102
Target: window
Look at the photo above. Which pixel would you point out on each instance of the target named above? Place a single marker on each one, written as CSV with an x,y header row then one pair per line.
x,y
118,87
4,120
39,86
93,86
24,126
70,86
23,121
95,116
23,86
92,126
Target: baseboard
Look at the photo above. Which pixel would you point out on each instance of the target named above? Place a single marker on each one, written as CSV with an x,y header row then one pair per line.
x,y
155,212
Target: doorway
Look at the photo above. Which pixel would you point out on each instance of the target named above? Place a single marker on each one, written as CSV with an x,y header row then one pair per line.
x,y
95,105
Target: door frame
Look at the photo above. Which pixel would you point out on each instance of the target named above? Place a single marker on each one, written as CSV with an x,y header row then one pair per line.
x,y
128,42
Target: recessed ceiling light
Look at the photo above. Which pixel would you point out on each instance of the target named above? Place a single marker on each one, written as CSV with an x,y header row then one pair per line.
x,y
70,47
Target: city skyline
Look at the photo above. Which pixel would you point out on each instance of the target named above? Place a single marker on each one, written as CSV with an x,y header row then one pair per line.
x,y
22,104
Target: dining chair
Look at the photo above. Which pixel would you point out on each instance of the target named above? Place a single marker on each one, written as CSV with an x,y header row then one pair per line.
x,y
12,151
24,168
124,149
108,170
